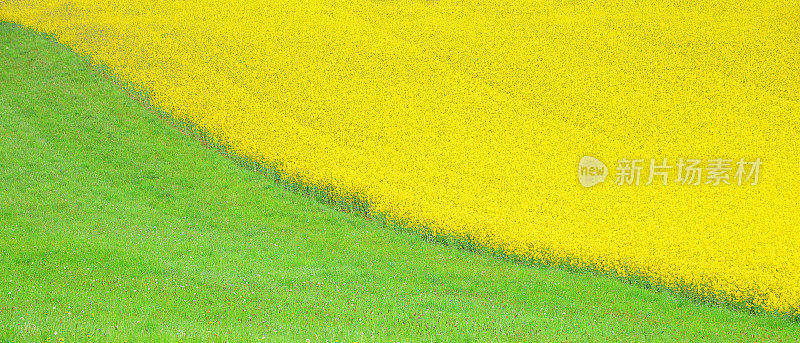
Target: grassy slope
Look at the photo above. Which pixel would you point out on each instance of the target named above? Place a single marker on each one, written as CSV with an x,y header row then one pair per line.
x,y
114,225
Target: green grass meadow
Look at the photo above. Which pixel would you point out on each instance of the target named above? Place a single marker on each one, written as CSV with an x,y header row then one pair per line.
x,y
117,226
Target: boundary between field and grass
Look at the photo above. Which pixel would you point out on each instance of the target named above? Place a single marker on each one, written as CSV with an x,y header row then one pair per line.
x,y
355,203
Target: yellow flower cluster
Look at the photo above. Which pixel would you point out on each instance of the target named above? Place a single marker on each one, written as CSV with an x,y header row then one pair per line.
x,y
468,118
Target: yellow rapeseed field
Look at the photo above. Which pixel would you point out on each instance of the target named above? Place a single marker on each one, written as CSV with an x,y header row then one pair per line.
x,y
469,118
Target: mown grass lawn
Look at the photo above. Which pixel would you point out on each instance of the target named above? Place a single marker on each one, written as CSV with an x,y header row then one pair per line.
x,y
116,226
